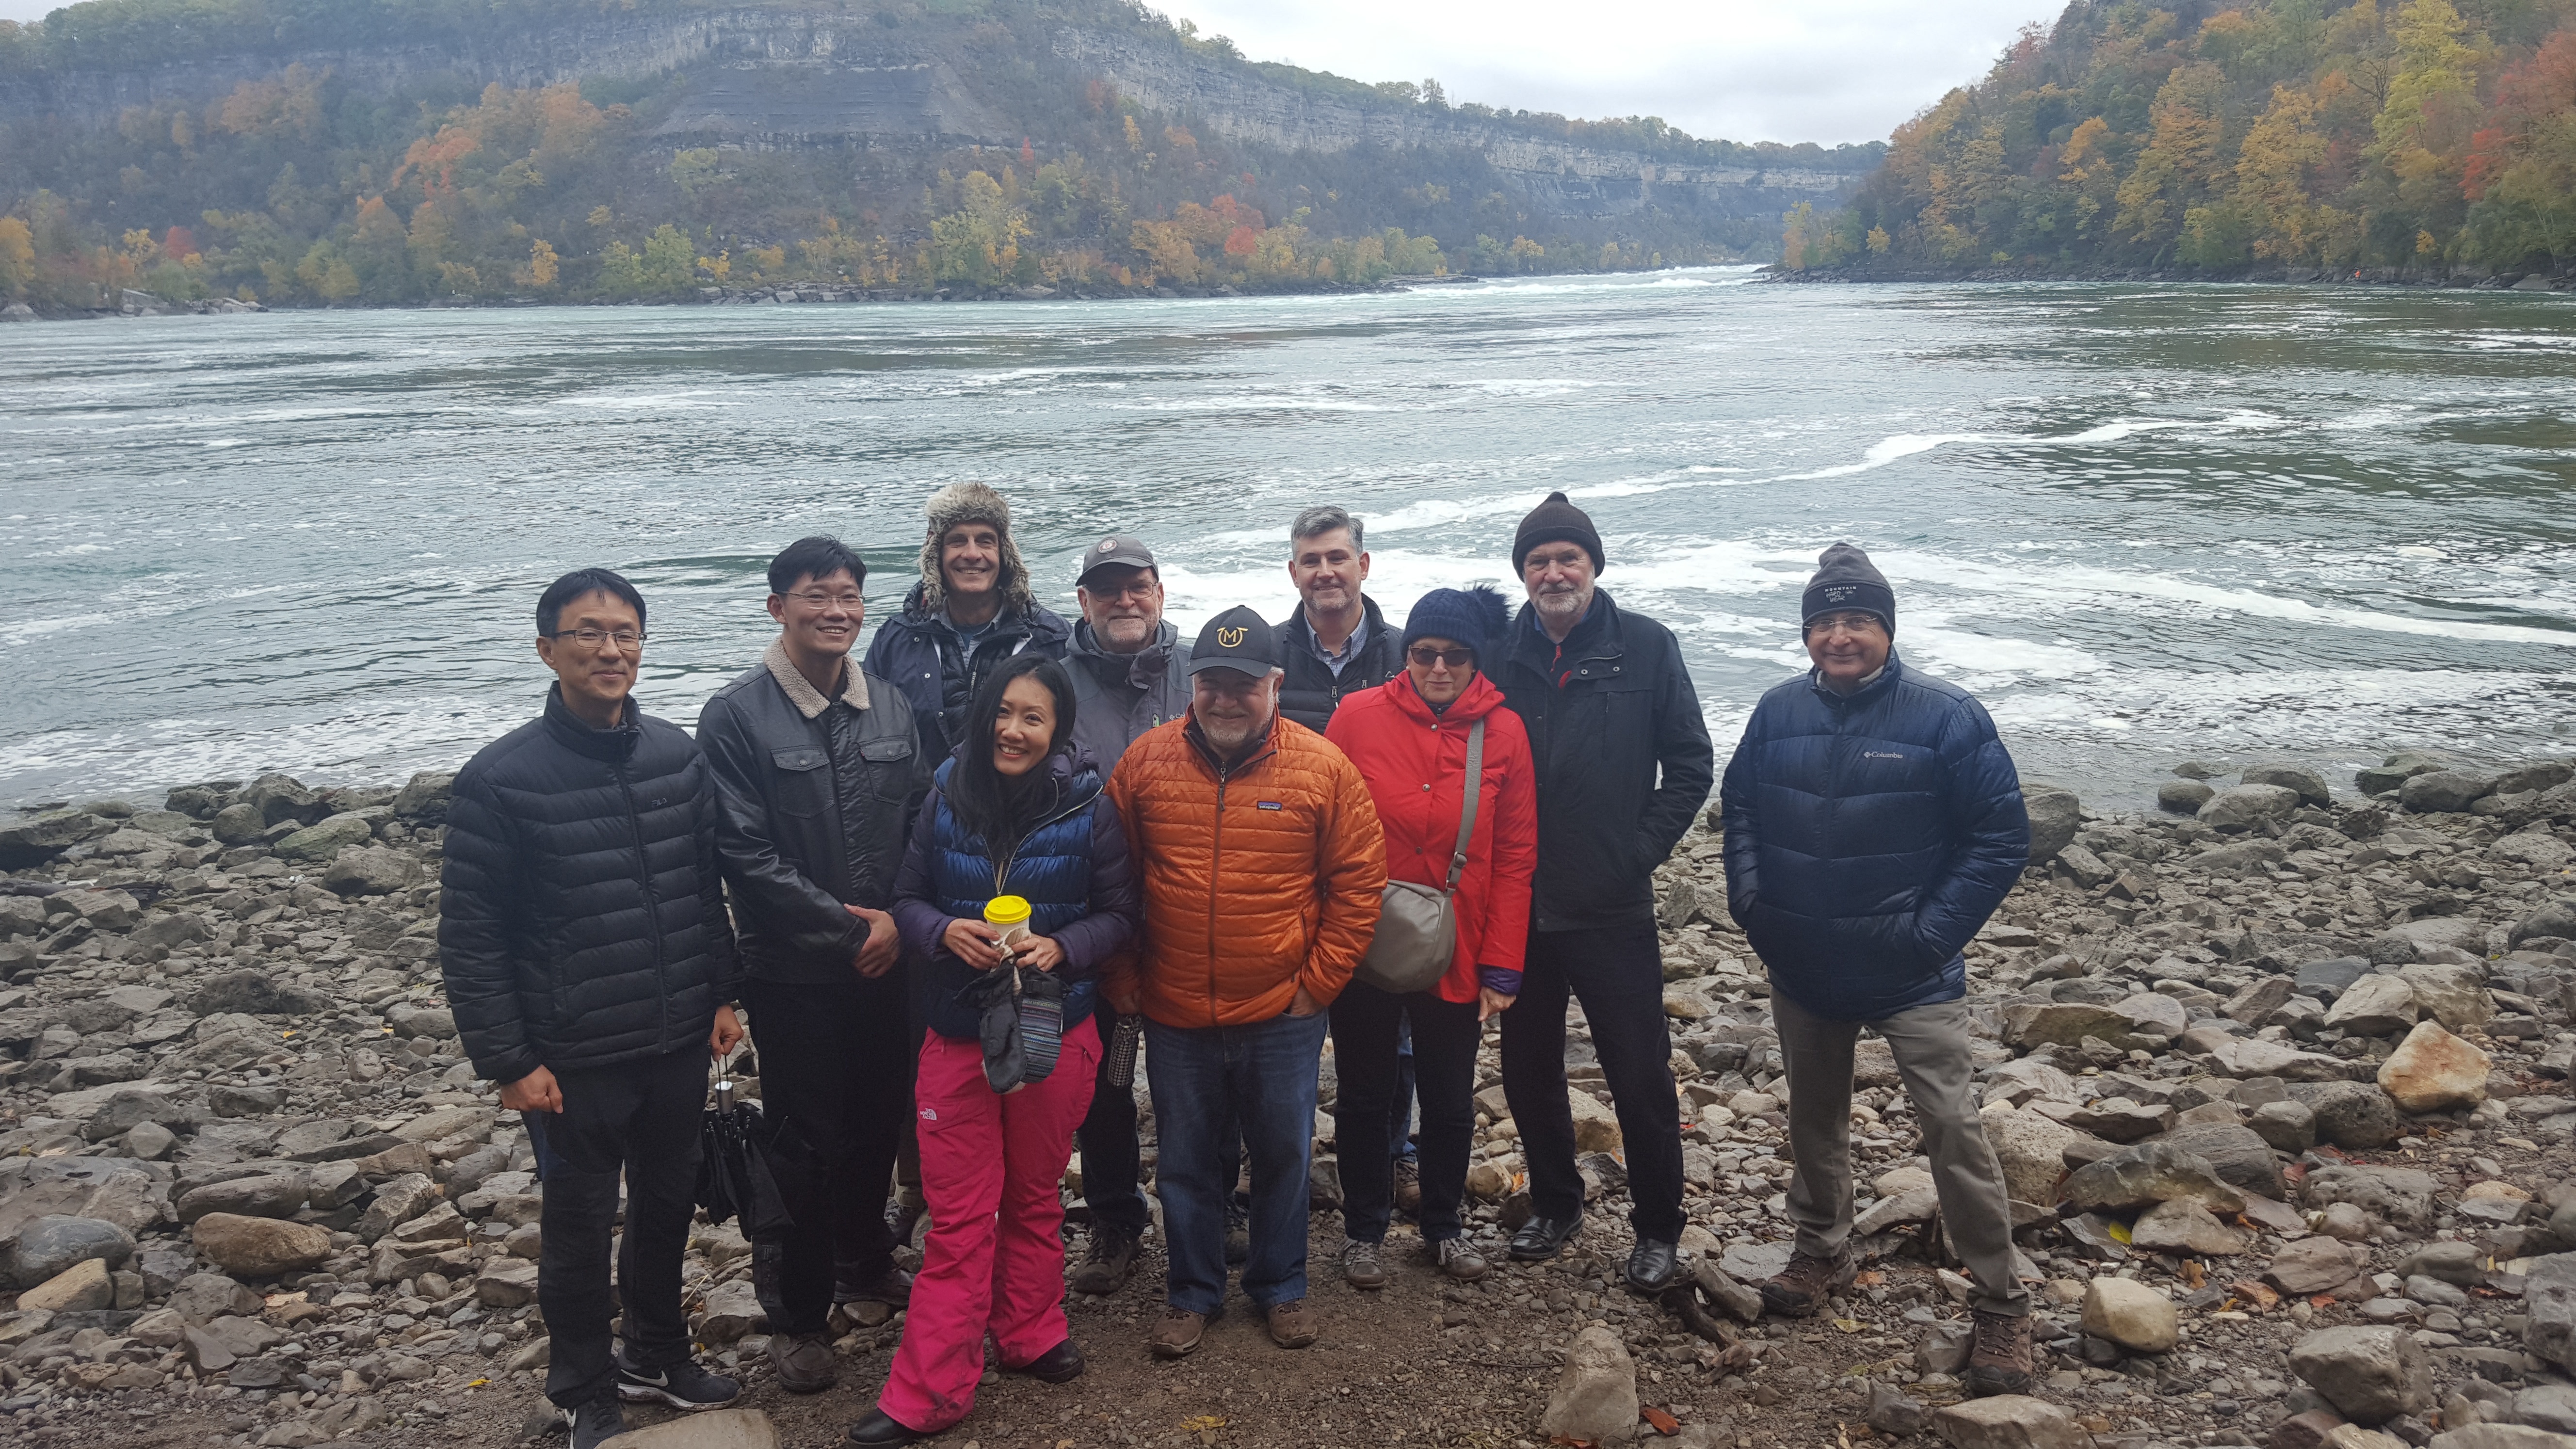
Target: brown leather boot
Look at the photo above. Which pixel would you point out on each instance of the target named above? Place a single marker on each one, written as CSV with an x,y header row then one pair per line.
x,y
1803,1286
2000,1361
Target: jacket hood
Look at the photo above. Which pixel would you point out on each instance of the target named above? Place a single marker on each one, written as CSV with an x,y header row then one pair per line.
x,y
1084,644
970,503
1481,698
1067,763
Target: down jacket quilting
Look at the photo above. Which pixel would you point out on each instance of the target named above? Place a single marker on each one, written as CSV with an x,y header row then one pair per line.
x,y
581,913
1256,878
1415,763
1868,838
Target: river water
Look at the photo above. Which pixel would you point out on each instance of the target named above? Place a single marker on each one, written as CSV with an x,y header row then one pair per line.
x,y
2142,524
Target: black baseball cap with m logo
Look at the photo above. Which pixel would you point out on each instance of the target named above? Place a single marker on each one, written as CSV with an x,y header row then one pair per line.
x,y
1238,639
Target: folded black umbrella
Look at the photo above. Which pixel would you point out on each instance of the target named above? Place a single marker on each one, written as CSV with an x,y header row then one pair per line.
x,y
735,1177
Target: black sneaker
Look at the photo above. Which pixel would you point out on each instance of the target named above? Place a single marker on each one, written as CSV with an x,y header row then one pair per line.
x,y
682,1385
598,1421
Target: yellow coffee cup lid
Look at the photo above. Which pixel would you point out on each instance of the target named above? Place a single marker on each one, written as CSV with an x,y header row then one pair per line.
x,y
1006,911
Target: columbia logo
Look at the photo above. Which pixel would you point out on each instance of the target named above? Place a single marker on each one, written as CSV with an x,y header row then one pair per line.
x,y
1880,755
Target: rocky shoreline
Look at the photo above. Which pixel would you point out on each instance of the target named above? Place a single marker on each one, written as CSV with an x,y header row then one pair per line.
x,y
2277,1073
2459,277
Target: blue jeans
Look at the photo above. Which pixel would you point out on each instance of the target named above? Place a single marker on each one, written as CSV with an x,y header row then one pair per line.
x,y
1264,1076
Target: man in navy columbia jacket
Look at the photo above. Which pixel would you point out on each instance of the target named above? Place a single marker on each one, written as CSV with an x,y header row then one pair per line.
x,y
1873,823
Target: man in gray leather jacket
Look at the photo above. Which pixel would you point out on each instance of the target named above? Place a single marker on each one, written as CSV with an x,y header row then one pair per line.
x,y
819,770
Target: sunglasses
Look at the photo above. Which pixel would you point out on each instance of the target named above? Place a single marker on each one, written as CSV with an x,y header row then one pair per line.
x,y
1454,658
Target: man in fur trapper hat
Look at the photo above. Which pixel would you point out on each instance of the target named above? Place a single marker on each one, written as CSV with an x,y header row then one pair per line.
x,y
971,610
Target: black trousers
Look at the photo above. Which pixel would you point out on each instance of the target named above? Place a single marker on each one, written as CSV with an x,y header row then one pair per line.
x,y
1111,1161
836,1065
643,1118
1368,1102
1618,975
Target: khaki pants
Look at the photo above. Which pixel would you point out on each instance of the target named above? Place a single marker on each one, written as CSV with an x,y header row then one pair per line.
x,y
1931,1047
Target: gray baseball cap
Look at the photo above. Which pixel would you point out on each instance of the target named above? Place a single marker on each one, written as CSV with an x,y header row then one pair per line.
x,y
1118,548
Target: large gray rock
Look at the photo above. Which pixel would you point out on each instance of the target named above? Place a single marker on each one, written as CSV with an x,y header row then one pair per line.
x,y
2062,1023
2499,1436
426,795
2455,996
2257,999
722,1429
2284,1126
121,1191
371,870
2032,1150
2355,1116
2184,1226
2549,1303
2245,807
2307,784
2056,817
239,823
269,1195
1596,1395
2374,1006
2009,1421
2398,768
2147,1174
2239,1154
2400,1196
2316,1265
2182,797
280,798
326,840
2130,1314
2443,791
48,1245
2370,1375
254,992
2434,1071
2557,918
24,843
201,1298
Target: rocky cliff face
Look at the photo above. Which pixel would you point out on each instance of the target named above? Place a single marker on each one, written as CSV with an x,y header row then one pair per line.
x,y
765,78
1558,176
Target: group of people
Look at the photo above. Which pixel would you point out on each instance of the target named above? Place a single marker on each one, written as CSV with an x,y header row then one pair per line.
x,y
1098,829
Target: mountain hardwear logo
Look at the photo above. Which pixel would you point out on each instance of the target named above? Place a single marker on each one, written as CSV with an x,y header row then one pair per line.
x,y
1229,638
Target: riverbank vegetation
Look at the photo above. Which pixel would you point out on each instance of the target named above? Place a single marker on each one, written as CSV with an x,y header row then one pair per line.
x,y
300,187
2292,135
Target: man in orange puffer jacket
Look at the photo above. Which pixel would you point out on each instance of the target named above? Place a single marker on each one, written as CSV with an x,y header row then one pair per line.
x,y
1260,861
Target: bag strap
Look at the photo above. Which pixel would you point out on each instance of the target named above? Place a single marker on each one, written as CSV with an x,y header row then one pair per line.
x,y
1467,814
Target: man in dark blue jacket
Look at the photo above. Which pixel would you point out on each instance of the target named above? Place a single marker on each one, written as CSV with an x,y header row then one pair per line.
x,y
972,610
1873,823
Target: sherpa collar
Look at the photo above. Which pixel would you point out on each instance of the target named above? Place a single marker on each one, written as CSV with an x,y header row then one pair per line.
x,y
801,692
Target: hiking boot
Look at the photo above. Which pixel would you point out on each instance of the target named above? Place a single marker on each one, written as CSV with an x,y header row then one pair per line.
x,y
1061,1364
804,1361
1460,1261
1408,1186
903,1215
1238,1233
1177,1333
1292,1324
1803,1286
1107,1262
1360,1265
2000,1361
1543,1238
597,1422
886,1284
682,1385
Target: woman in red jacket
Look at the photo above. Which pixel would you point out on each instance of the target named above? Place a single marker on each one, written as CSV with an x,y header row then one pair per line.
x,y
1409,738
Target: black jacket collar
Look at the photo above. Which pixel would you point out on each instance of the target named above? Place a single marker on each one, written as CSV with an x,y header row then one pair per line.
x,y
610,744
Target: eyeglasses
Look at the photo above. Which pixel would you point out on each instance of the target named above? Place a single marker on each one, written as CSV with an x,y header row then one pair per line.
x,y
1845,624
592,638
816,598
1137,588
1454,658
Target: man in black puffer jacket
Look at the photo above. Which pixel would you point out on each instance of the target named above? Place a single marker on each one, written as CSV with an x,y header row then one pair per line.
x,y
591,967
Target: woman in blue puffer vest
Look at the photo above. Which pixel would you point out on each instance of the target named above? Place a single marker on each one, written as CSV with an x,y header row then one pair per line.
x,y
1018,811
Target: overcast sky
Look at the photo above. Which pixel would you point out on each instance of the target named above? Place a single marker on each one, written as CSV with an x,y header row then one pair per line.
x,y
1819,70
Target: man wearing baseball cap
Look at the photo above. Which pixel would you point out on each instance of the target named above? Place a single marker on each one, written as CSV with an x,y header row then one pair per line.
x,y
1257,851
1623,767
1873,823
1130,673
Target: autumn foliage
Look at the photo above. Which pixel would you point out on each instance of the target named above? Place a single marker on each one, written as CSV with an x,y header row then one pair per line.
x,y
2317,134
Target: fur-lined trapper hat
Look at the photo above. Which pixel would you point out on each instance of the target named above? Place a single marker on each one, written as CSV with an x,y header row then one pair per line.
x,y
972,503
